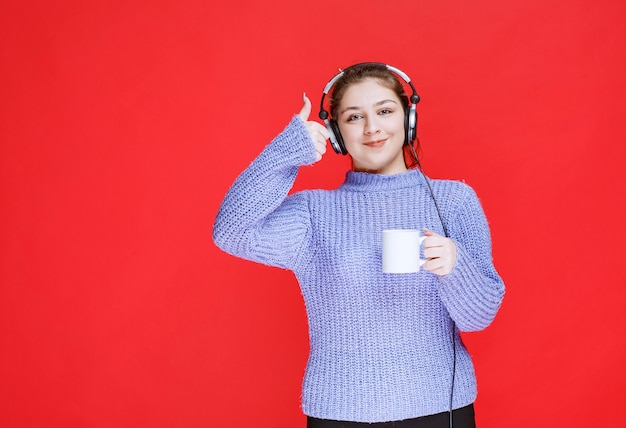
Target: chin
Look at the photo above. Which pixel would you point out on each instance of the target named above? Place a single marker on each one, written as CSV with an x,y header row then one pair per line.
x,y
389,167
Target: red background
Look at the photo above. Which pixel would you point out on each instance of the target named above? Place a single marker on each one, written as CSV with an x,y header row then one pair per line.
x,y
122,124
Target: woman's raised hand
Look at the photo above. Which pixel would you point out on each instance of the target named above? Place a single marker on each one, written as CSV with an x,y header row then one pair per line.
x,y
318,132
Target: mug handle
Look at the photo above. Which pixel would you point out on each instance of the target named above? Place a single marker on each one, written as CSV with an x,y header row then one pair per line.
x,y
421,242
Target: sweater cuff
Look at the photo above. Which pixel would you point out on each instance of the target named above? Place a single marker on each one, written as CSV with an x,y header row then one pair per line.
x,y
472,298
298,141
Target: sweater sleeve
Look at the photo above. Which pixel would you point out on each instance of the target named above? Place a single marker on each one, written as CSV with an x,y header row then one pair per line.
x,y
473,291
257,220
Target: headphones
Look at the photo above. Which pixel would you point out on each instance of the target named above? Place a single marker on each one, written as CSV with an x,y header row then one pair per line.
x,y
410,121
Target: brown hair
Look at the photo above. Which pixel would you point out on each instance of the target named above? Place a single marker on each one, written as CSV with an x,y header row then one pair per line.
x,y
377,71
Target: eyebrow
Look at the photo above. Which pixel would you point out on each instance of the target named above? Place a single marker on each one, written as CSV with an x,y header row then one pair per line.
x,y
379,103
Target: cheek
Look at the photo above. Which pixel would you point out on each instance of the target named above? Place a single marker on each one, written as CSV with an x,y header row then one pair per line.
x,y
349,132
399,124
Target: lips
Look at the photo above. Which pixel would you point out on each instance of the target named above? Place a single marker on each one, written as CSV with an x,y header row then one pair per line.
x,y
375,143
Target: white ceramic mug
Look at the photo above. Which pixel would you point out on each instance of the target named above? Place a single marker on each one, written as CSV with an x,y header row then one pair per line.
x,y
401,250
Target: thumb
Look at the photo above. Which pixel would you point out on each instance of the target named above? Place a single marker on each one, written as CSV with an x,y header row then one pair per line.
x,y
428,232
306,108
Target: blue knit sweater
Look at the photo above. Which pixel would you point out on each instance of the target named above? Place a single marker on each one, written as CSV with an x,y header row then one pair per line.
x,y
380,344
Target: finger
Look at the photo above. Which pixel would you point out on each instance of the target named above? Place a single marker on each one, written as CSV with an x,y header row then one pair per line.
x,y
434,242
432,253
429,232
428,242
317,128
440,255
306,108
323,131
437,266
434,239
432,264
320,147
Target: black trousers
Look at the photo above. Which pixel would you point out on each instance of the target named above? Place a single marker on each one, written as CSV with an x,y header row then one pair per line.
x,y
462,418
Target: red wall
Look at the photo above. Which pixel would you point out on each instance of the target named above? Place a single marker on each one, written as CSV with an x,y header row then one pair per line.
x,y
123,124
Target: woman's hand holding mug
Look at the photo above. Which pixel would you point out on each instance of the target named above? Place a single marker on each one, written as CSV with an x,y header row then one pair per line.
x,y
440,253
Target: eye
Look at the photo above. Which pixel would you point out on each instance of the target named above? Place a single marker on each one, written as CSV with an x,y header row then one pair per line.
x,y
385,111
354,117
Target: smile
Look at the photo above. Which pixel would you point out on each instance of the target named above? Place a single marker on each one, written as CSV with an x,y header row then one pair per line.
x,y
375,143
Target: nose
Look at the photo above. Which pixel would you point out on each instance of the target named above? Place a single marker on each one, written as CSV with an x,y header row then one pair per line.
x,y
371,127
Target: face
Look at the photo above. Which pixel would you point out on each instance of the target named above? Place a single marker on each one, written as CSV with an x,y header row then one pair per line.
x,y
371,120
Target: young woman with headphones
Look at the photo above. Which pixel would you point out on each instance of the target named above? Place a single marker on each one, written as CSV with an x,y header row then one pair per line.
x,y
384,348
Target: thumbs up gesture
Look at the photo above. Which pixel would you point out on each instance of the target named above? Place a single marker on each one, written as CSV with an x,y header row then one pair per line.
x,y
318,133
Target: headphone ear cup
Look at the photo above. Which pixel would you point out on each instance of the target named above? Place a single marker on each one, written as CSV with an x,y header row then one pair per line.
x,y
336,140
410,124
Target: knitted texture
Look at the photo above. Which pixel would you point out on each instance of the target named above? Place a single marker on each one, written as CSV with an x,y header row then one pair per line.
x,y
380,344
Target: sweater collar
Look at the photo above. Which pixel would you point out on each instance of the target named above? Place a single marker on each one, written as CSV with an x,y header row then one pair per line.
x,y
365,181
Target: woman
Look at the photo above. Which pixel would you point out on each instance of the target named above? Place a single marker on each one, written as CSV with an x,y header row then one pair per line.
x,y
384,348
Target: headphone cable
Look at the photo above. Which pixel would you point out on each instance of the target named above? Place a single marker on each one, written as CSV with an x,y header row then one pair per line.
x,y
445,232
